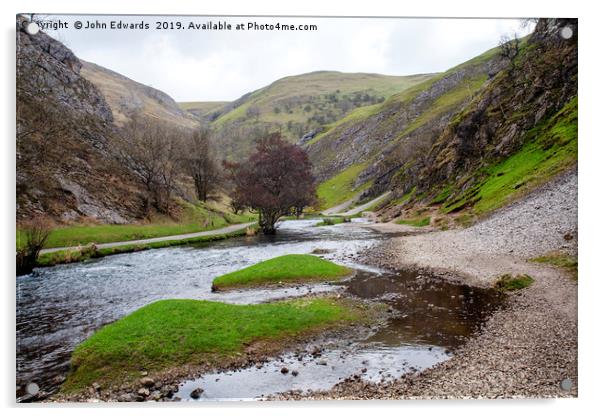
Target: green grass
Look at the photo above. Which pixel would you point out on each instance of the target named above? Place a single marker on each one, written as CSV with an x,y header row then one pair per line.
x,y
194,218
331,221
559,259
442,196
289,268
415,222
549,148
171,333
339,188
88,252
507,282
203,107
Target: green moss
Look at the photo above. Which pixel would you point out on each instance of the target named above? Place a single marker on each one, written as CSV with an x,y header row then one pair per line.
x,y
559,259
171,333
289,268
339,188
415,222
507,282
549,148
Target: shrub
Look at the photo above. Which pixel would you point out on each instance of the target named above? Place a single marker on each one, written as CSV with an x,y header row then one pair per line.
x,y
36,233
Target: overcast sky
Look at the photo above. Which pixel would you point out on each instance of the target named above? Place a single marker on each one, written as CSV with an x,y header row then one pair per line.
x,y
193,65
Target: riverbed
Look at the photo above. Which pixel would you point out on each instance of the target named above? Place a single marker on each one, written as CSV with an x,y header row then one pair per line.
x,y
58,307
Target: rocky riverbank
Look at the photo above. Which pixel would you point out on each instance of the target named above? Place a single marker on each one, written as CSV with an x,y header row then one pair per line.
x,y
526,349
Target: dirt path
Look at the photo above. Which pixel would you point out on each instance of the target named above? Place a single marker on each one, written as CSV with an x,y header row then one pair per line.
x,y
224,230
365,206
528,347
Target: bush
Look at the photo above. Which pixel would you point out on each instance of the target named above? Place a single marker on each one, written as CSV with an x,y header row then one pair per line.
x,y
36,233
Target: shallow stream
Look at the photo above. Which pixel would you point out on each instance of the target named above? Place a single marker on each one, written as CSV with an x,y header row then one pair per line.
x,y
58,307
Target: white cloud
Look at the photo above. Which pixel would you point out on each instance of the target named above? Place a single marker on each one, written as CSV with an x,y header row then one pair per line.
x,y
222,65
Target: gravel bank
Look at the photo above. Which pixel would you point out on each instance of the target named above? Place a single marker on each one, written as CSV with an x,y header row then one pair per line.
x,y
525,349
544,221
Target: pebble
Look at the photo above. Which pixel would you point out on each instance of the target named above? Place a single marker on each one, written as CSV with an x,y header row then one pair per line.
x,y
196,393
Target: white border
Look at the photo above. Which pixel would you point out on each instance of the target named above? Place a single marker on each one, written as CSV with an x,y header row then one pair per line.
x,y
590,152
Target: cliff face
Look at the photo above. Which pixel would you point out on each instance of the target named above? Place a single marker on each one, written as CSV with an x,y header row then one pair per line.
x,y
64,164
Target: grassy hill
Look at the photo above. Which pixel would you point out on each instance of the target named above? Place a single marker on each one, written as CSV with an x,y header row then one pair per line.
x,y
299,105
203,110
126,96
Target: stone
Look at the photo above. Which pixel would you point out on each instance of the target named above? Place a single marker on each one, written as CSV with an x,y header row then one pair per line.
x,y
147,382
196,393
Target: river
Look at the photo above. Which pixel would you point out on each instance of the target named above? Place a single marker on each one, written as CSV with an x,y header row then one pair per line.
x,y
58,307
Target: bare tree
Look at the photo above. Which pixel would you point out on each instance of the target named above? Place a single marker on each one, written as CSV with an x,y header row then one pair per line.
x,y
149,149
509,48
198,162
35,234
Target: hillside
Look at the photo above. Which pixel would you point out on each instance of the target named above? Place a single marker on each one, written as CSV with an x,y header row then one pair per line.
x,y
126,96
69,136
466,141
358,148
64,165
206,111
300,106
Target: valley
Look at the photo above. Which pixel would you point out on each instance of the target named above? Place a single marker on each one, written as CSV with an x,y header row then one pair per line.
x,y
356,235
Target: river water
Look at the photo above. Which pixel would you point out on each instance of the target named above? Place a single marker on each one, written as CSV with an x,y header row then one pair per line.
x,y
60,306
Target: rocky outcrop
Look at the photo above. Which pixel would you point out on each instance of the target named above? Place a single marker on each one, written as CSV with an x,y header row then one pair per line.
x,y
494,125
65,167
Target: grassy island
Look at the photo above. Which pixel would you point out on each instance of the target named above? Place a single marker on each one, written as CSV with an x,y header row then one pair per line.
x,y
172,334
291,268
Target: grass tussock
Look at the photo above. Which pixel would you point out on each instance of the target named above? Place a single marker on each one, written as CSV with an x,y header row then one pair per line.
x,y
509,283
559,259
332,221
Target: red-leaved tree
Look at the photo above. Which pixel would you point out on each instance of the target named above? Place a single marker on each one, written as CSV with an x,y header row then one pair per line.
x,y
275,181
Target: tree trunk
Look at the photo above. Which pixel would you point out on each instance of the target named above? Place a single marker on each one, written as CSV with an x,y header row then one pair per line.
x,y
267,222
